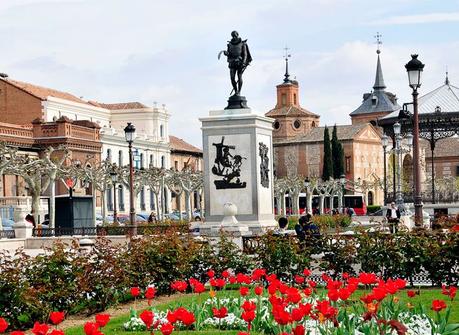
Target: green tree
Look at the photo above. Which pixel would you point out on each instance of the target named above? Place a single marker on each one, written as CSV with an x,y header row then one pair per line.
x,y
337,152
327,170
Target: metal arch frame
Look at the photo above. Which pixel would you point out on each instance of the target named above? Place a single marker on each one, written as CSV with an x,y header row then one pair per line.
x,y
432,127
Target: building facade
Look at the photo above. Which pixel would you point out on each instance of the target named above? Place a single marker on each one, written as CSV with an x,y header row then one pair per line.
x,y
185,156
298,143
21,103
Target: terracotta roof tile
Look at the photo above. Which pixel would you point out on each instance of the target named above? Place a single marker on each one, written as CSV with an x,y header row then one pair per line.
x,y
344,132
177,144
43,92
120,105
290,111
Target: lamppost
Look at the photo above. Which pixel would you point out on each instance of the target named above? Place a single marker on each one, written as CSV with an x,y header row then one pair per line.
x,y
399,150
306,184
342,181
129,132
385,142
414,68
114,177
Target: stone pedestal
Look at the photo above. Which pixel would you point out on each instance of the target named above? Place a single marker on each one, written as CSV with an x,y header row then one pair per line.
x,y
22,228
238,169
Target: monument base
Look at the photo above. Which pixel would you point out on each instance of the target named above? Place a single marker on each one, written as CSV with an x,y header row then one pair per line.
x,y
236,102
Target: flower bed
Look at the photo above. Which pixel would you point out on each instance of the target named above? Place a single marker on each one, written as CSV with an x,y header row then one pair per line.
x,y
260,303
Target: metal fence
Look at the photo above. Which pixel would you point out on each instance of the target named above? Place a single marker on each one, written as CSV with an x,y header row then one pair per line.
x,y
109,230
7,234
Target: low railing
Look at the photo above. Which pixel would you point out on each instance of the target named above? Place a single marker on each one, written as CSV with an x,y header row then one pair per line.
x,y
109,230
7,234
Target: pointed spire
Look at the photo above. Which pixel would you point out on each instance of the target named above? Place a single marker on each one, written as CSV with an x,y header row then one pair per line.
x,y
446,79
379,80
287,75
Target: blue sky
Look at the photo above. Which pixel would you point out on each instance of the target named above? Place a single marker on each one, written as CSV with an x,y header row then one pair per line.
x,y
166,51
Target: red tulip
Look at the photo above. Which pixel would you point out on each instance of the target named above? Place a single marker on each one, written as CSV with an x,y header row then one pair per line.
x,y
199,287
242,333
225,274
135,291
367,278
299,279
211,273
40,328
258,274
438,305
217,282
220,313
248,306
3,325
244,290
150,293
179,285
344,293
248,316
299,330
258,290
56,317
91,328
167,329
307,272
57,332
102,319
147,317
184,316
333,295
17,332
410,293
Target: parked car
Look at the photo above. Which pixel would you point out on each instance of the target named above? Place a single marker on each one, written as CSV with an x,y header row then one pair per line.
x,y
7,224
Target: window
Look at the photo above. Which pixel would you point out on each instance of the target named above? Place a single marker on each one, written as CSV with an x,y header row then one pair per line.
x,y
151,159
176,165
141,161
110,198
284,99
294,98
348,164
161,131
313,124
109,155
297,124
163,162
121,198
142,199
457,171
276,124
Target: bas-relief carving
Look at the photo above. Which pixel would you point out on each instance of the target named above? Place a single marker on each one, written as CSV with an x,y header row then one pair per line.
x,y
264,164
227,165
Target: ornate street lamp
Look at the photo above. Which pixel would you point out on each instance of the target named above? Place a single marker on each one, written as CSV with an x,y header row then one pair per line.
x,y
342,181
306,184
129,132
385,142
414,68
114,178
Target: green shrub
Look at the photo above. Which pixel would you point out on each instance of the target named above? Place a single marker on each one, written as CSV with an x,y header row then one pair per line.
x,y
372,209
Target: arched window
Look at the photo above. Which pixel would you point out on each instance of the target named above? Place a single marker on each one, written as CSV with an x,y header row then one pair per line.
x,y
370,198
161,131
163,162
141,161
151,160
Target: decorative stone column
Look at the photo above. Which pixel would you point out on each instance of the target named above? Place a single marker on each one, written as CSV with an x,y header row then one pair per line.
x,y
238,169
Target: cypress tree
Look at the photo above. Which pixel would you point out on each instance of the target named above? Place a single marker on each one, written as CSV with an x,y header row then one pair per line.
x,y
327,170
337,154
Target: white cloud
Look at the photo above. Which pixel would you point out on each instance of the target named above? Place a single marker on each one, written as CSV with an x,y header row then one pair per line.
x,y
419,19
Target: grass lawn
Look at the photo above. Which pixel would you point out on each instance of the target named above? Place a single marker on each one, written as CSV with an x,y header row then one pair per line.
x,y
115,326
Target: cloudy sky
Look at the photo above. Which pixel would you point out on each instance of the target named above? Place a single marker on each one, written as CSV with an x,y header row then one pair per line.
x,y
166,51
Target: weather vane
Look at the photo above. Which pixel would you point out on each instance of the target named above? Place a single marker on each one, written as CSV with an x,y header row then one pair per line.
x,y
378,42
286,57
